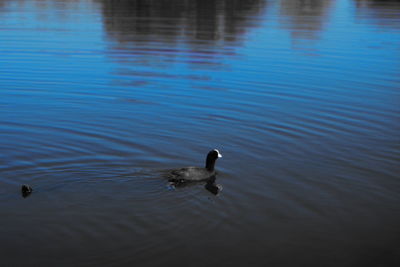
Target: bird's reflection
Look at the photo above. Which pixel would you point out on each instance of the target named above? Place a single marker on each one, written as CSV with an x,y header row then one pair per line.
x,y
210,185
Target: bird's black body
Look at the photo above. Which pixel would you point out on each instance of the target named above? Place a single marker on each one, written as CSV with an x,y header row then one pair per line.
x,y
197,173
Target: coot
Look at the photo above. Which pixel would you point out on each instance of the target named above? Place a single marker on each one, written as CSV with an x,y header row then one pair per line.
x,y
196,173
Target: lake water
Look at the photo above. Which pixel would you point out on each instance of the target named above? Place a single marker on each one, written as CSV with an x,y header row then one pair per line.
x,y
100,98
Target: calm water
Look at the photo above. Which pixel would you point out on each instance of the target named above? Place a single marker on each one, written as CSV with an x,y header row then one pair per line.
x,y
98,98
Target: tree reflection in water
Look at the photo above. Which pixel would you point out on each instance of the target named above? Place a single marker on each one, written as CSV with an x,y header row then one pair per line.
x,y
168,20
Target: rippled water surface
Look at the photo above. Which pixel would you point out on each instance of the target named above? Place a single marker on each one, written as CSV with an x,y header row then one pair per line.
x,y
100,98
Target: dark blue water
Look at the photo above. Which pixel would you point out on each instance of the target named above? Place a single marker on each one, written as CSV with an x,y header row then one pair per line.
x,y
100,98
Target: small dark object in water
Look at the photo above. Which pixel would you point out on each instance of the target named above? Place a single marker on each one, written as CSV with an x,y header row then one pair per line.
x,y
26,190
189,174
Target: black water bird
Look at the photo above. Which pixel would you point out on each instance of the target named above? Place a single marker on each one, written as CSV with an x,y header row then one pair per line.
x,y
26,190
192,174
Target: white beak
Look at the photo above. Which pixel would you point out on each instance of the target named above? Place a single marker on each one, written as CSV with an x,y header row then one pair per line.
x,y
219,154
